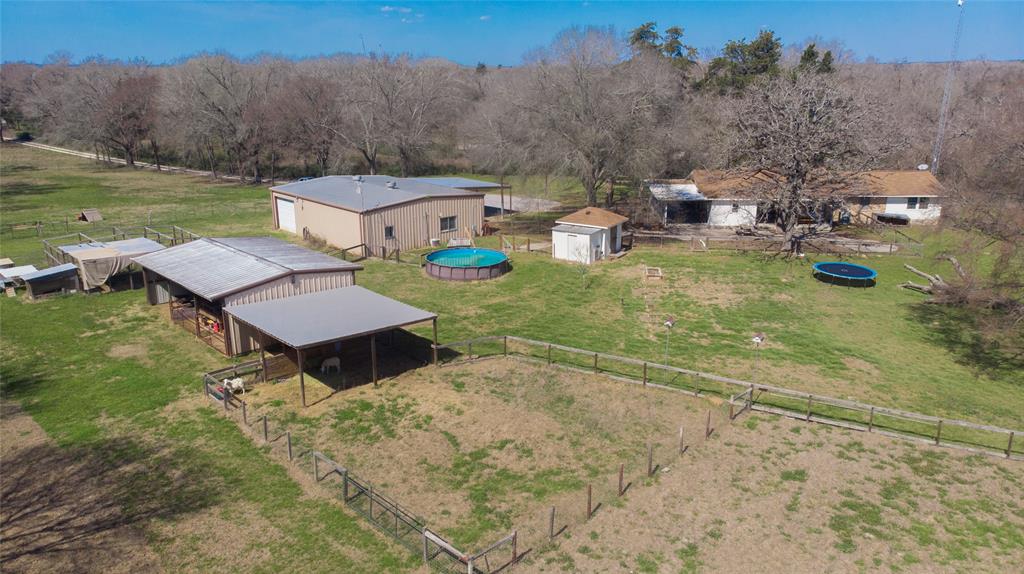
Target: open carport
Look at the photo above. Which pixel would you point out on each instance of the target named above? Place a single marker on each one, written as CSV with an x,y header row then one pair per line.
x,y
319,325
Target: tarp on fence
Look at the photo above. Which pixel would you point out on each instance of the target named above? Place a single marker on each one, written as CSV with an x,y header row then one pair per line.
x,y
97,262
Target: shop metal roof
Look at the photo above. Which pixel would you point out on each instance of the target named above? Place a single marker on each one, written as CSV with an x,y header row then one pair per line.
x,y
578,229
461,182
319,318
215,267
369,193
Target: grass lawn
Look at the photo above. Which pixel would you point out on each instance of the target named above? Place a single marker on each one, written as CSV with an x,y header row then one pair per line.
x,y
105,375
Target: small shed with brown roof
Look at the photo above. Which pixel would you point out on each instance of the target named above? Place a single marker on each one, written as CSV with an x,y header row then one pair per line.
x,y
587,235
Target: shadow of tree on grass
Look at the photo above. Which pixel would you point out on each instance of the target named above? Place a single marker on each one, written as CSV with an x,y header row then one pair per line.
x,y
79,507
957,330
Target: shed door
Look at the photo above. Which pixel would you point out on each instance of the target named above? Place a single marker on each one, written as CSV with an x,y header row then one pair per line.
x,y
286,214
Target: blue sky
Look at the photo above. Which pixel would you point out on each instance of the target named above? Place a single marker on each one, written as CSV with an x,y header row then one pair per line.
x,y
491,32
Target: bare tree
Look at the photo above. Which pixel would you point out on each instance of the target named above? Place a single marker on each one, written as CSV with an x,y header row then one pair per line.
x,y
809,137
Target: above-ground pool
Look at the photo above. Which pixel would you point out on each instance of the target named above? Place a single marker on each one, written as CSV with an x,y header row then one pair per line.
x,y
842,273
466,264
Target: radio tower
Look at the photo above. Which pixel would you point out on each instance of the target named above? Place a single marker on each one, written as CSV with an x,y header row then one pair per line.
x,y
950,72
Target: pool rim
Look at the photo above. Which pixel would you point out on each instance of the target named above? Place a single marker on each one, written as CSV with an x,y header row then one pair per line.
x,y
466,273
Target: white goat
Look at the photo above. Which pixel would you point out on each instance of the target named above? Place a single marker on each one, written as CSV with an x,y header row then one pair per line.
x,y
330,363
234,385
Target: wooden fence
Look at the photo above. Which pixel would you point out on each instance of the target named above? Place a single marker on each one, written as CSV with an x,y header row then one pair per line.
x,y
384,513
745,395
169,235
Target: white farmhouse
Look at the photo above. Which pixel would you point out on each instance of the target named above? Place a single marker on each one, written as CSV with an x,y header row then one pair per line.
x,y
588,235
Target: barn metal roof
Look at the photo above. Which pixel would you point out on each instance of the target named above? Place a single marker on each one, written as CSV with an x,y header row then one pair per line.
x,y
318,318
461,182
373,192
213,268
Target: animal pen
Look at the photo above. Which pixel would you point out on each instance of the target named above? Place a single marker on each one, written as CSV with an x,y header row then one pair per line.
x,y
384,513
748,396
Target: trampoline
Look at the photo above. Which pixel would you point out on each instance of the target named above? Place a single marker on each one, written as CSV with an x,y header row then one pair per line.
x,y
849,274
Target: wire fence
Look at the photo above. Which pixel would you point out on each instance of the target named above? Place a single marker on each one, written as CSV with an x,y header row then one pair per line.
x,y
385,514
746,395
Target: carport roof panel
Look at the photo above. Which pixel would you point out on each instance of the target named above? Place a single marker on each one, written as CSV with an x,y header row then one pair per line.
x,y
318,318
577,229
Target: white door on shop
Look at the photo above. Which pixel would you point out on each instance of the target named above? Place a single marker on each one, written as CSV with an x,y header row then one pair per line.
x,y
286,214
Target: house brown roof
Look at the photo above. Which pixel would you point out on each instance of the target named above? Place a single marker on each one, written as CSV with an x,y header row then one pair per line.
x,y
593,216
880,183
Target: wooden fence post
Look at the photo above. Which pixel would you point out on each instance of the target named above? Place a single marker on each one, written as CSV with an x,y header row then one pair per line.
x,y
595,362
590,508
288,436
750,399
731,413
316,467
938,432
650,460
1009,446
809,408
549,353
551,524
645,373
622,467
265,430
681,447
515,542
344,485
504,341
707,426
871,420
245,415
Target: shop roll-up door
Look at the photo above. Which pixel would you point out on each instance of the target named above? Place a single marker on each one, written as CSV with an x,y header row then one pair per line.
x,y
286,214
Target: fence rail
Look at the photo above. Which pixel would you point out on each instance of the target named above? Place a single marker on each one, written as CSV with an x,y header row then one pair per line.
x,y
168,235
384,513
748,395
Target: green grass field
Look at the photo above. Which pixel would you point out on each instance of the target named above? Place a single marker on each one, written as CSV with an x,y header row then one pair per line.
x,y
104,370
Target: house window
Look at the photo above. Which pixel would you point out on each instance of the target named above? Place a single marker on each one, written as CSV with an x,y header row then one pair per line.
x,y
389,232
735,207
448,224
911,203
922,203
865,201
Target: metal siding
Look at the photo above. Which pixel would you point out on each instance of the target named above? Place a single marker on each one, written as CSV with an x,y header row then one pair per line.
x,y
296,284
418,222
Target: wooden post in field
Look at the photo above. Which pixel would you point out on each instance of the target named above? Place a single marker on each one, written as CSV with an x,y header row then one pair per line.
x,y
1009,446
266,437
551,524
681,447
731,413
435,341
595,362
263,357
645,373
871,420
245,416
707,426
650,460
938,432
590,499
316,467
549,353
288,437
809,397
622,467
515,543
750,399
504,341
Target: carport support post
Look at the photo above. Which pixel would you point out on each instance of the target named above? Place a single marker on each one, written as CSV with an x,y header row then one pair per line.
x,y
302,377
263,357
373,357
435,340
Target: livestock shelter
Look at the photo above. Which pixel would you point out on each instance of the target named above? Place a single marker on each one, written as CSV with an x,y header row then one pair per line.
x,y
379,213
319,325
199,280
587,235
99,261
57,279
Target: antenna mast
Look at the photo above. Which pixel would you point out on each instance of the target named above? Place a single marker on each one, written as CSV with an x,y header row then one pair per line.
x,y
950,72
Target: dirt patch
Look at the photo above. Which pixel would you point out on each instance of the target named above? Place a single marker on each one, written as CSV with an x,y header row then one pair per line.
x,y
136,351
858,364
61,510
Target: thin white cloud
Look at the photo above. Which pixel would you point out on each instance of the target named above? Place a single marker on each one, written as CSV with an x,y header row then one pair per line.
x,y
401,9
485,17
